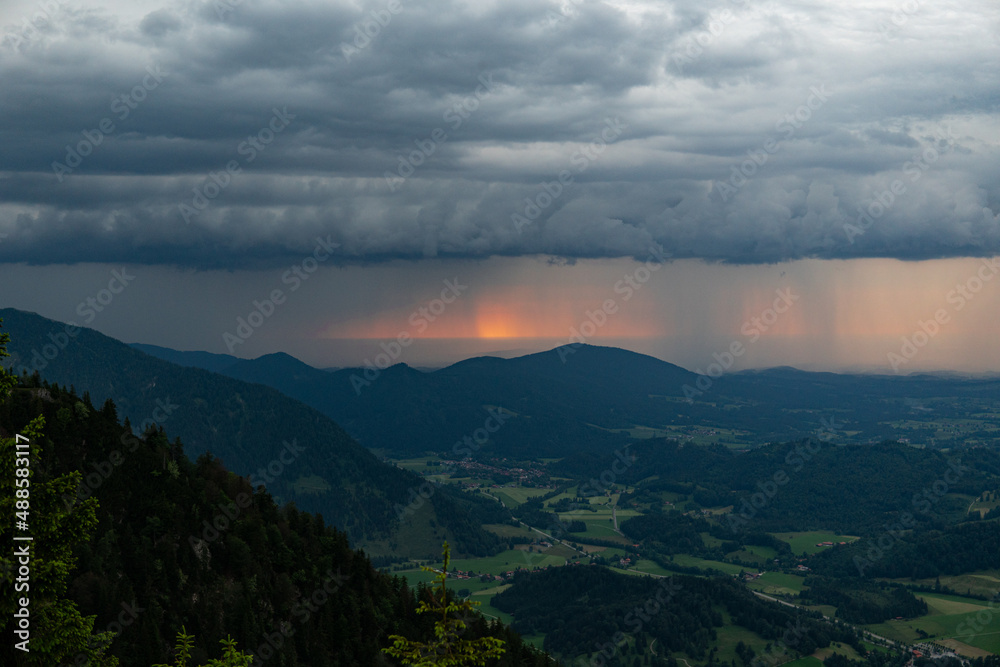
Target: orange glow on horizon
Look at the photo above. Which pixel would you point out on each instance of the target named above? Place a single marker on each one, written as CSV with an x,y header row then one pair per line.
x,y
511,313
497,322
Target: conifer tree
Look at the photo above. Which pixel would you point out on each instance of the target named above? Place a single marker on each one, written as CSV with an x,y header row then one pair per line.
x,y
37,569
448,649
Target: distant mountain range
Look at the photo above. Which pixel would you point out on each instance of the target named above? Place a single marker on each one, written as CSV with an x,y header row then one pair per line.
x,y
570,400
298,453
589,398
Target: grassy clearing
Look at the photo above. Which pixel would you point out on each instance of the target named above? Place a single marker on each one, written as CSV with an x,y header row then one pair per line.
x,y
836,648
764,552
417,463
939,604
729,635
777,583
685,560
651,567
984,582
516,496
695,434
710,540
597,528
493,590
505,530
975,623
506,561
489,611
875,647
569,493
753,554
562,551
807,661
825,609
964,649
806,542
313,485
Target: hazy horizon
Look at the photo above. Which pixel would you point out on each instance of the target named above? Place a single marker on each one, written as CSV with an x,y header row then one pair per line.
x,y
846,316
686,167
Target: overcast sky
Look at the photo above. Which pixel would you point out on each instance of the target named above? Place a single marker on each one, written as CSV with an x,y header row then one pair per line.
x,y
541,151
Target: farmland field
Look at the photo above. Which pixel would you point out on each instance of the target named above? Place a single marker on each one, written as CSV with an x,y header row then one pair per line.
x,y
505,530
512,497
771,583
684,560
966,620
807,661
753,554
984,582
806,542
505,561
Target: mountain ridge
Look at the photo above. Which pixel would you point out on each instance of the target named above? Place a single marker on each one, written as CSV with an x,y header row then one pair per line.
x,y
250,426
587,397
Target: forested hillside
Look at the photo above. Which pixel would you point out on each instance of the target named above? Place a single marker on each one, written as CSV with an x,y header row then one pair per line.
x,y
296,452
810,484
584,398
968,547
189,543
588,606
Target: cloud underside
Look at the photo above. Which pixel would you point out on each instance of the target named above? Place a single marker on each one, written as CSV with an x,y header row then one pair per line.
x,y
233,135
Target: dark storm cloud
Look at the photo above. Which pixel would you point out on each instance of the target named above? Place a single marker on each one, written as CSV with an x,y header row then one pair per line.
x,y
746,133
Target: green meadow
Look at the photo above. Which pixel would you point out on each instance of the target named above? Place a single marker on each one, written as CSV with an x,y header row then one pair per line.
x,y
806,542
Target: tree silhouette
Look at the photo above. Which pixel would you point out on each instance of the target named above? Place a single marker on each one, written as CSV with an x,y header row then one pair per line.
x,y
448,649
49,530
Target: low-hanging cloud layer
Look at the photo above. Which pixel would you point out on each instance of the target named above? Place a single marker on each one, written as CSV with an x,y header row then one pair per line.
x,y
233,133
